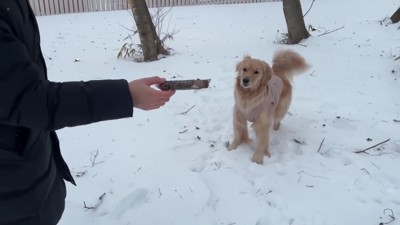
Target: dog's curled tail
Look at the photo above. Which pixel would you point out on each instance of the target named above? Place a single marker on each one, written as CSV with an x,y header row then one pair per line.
x,y
288,63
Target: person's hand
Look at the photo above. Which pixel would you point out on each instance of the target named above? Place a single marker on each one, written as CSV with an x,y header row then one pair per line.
x,y
147,98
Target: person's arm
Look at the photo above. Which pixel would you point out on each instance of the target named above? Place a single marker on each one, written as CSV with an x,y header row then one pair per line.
x,y
27,100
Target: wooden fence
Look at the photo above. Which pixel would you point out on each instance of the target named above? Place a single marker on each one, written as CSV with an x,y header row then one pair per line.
x,y
51,7
168,3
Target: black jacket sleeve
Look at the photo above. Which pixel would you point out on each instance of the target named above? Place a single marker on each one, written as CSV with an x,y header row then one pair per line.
x,y
28,99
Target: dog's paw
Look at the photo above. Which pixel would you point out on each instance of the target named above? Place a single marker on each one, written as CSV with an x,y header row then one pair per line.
x,y
258,158
232,146
267,153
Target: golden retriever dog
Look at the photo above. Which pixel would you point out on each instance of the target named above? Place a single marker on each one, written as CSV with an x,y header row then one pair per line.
x,y
263,96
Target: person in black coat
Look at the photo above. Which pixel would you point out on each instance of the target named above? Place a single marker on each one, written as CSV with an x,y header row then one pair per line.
x,y
32,108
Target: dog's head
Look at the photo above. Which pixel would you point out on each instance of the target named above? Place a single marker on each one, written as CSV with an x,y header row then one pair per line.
x,y
252,74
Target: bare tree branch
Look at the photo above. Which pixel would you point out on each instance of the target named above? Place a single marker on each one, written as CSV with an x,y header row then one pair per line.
x,y
312,3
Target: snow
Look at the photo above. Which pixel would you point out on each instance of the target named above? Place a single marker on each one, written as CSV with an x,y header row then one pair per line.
x,y
170,167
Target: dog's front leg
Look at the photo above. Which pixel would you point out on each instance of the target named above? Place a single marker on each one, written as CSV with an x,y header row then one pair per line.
x,y
261,129
240,132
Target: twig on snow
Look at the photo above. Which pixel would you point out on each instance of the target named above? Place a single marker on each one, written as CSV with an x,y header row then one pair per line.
x,y
101,198
184,131
300,142
81,174
322,142
186,112
365,150
94,157
93,160
159,193
315,176
328,32
397,58
391,215
383,20
365,170
87,207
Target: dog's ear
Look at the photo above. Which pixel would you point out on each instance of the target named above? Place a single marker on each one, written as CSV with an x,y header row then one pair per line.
x,y
267,73
239,66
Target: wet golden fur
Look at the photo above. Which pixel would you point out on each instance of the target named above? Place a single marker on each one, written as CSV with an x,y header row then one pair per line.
x,y
248,95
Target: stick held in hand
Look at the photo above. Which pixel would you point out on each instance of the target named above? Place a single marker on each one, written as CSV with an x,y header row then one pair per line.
x,y
184,84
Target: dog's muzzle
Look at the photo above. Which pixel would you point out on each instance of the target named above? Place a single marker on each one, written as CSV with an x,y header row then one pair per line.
x,y
245,82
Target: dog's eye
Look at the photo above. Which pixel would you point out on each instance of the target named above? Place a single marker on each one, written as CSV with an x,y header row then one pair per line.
x,y
256,72
244,69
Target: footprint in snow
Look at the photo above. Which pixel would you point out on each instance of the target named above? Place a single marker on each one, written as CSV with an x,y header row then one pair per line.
x,y
206,162
131,201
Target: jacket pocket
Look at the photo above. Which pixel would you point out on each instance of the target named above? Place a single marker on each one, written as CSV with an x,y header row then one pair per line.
x,y
14,139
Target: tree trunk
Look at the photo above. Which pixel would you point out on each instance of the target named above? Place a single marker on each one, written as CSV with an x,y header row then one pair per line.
x,y
297,30
150,42
396,16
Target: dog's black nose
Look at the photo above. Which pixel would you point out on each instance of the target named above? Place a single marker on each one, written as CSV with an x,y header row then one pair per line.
x,y
245,80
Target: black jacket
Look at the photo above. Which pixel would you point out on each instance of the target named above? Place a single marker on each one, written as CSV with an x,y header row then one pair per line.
x,y
32,108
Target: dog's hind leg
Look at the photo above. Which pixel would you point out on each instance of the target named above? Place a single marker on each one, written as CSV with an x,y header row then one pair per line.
x,y
281,110
240,131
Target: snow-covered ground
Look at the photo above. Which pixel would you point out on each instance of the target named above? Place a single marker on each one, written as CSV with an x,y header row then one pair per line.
x,y
172,168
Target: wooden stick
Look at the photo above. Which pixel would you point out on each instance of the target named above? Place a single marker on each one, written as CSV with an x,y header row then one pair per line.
x,y
396,16
184,84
